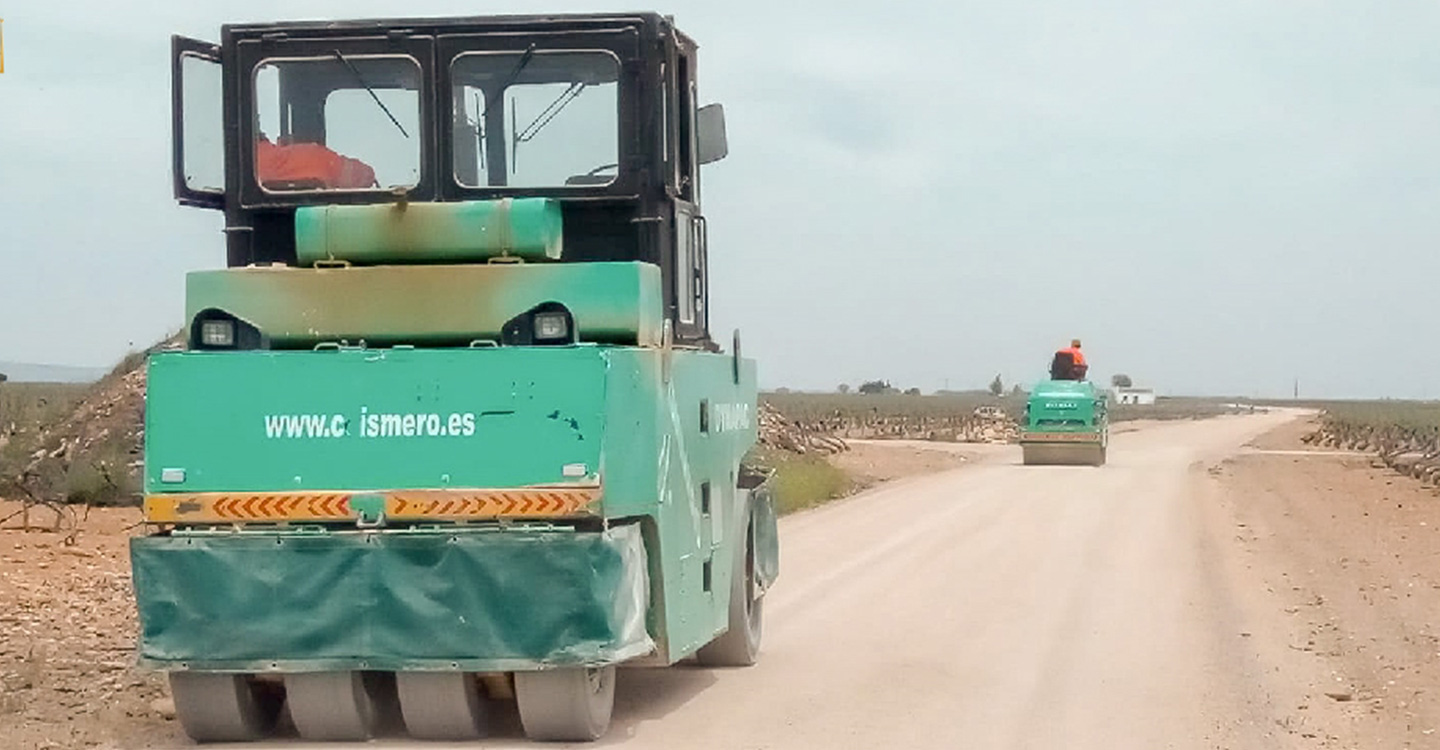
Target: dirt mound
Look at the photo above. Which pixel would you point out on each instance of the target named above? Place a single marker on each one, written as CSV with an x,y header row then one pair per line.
x,y
779,432
988,425
94,454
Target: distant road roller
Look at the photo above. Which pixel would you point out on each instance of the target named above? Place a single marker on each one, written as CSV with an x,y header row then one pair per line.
x,y
1065,423
1066,417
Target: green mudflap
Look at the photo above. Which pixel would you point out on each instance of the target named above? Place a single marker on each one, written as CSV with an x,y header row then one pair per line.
x,y
475,601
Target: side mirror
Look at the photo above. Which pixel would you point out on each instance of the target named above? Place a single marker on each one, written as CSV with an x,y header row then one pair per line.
x,y
710,132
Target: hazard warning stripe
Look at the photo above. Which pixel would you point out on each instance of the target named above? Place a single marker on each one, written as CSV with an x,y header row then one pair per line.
x,y
459,504
408,505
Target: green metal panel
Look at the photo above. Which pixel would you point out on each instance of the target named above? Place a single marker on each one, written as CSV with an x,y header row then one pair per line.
x,y
528,228
337,420
474,601
1064,406
616,303
666,480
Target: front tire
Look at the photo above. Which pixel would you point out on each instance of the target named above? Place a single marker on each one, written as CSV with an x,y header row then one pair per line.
x,y
442,705
739,645
334,706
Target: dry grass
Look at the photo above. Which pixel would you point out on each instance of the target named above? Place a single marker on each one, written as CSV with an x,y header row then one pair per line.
x,y
63,443
25,410
812,407
802,481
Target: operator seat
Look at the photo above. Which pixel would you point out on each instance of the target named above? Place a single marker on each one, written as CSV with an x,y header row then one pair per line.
x,y
1063,367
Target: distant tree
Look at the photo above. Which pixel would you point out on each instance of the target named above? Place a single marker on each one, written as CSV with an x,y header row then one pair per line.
x,y
1016,390
912,391
3,377
844,388
782,390
1121,380
876,386
997,386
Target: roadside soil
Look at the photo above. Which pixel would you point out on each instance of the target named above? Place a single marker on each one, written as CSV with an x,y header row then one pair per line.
x,y
1289,437
872,462
67,635
1336,565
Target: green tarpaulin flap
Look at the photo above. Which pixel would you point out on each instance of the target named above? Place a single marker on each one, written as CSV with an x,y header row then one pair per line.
x,y
478,601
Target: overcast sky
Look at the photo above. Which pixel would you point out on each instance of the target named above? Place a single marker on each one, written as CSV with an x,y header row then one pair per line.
x,y
1217,196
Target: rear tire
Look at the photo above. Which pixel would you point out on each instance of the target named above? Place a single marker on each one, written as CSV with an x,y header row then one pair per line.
x,y
739,645
216,707
442,705
334,706
566,705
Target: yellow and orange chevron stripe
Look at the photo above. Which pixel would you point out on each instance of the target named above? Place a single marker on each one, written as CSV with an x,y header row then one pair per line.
x,y
552,501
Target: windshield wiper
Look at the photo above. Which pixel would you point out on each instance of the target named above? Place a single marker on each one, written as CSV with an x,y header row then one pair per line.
x,y
493,97
361,80
527,133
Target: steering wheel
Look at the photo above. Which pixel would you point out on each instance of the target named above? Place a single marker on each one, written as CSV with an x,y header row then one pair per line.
x,y
602,168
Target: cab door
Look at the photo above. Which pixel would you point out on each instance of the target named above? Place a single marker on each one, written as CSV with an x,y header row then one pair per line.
x,y
690,272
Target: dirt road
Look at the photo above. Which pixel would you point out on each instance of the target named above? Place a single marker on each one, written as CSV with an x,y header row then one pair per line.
x,y
1187,595
1001,607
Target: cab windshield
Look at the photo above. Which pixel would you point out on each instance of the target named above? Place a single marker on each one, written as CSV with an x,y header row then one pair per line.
x,y
535,119
337,122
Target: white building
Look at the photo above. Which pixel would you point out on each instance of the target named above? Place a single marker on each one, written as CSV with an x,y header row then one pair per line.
x,y
1137,396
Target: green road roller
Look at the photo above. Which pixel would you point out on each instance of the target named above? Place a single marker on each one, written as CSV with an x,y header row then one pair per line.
x,y
450,427
1065,423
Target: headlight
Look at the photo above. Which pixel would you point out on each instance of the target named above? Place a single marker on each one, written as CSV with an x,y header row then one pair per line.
x,y
217,334
551,325
217,330
546,324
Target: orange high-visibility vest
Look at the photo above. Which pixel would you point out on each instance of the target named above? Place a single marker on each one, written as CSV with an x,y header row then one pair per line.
x,y
309,163
1076,355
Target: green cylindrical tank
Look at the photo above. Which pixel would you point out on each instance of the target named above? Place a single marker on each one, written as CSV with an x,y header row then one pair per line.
x,y
466,231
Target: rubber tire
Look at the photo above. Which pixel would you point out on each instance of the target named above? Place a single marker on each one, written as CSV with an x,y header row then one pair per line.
x,y
739,645
442,705
333,706
218,707
566,705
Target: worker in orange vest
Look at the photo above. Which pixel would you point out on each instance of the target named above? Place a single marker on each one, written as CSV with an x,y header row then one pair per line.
x,y
1069,363
299,165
